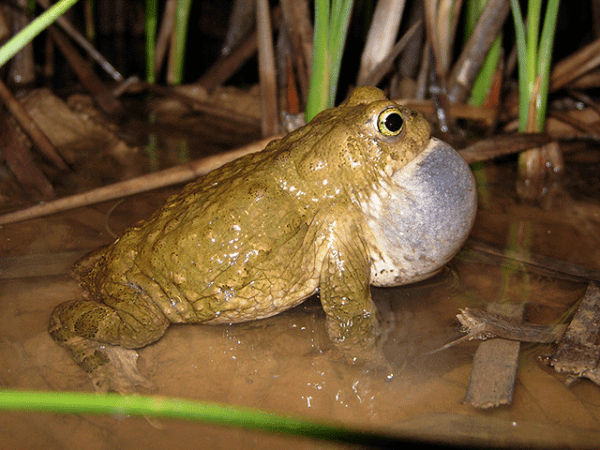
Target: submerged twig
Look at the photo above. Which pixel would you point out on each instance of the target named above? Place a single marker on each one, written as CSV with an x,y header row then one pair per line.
x,y
535,263
482,325
197,104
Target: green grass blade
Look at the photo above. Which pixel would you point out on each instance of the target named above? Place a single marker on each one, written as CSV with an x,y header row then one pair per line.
x,y
182,15
331,28
221,414
483,81
522,59
151,26
21,39
339,30
318,91
545,60
534,8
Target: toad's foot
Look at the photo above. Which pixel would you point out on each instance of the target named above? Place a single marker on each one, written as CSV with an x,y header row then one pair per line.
x,y
374,362
120,373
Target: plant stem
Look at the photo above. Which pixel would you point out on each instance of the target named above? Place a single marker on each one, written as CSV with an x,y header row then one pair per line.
x,y
341,11
177,55
318,90
522,58
21,39
331,27
151,24
535,57
172,408
545,59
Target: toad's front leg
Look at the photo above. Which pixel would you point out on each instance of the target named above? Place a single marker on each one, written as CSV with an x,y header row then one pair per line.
x,y
352,322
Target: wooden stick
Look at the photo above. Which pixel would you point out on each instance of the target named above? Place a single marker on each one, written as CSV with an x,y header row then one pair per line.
x,y
101,93
296,15
178,174
495,365
578,352
164,34
20,161
380,70
39,138
575,65
266,70
483,325
84,44
474,52
502,145
456,110
589,129
187,172
205,106
226,66
536,263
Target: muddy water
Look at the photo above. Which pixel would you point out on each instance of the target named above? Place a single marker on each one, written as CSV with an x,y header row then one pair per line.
x,y
286,364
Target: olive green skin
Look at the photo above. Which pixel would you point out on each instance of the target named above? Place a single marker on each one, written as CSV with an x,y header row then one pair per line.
x,y
250,240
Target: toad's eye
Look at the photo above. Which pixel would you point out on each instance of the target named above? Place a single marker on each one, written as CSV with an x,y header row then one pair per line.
x,y
390,122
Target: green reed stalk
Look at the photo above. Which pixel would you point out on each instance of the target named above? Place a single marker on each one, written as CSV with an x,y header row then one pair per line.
x,y
151,20
545,58
90,28
171,408
25,36
331,28
177,56
534,56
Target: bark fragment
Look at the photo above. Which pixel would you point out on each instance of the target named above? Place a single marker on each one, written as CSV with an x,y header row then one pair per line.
x,y
495,365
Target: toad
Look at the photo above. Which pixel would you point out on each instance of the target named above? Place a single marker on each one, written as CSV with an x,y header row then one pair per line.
x,y
360,196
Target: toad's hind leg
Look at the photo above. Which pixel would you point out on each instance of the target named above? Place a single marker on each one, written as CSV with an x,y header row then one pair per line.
x,y
101,340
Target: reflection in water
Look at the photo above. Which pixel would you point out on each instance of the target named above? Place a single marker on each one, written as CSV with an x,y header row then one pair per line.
x,y
286,363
